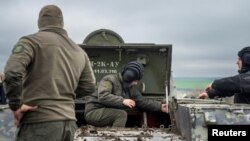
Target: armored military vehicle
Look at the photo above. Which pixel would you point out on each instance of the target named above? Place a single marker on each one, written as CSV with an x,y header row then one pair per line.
x,y
187,119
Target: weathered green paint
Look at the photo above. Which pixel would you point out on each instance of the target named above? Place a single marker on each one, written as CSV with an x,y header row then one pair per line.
x,y
108,53
103,37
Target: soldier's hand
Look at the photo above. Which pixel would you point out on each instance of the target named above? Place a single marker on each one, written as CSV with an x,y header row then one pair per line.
x,y
208,87
18,114
203,95
164,108
129,103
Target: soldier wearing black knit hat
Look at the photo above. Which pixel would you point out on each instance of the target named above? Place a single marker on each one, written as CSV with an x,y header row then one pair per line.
x,y
237,86
132,72
116,93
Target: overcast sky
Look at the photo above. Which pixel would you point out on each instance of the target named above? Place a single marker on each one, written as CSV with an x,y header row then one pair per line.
x,y
206,34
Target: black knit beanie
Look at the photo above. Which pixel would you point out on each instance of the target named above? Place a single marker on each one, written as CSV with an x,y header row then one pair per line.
x,y
132,71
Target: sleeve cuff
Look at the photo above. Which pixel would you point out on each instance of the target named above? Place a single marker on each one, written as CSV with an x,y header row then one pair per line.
x,y
14,107
213,93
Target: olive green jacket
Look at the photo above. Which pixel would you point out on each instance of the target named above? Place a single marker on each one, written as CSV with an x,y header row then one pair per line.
x,y
46,69
110,93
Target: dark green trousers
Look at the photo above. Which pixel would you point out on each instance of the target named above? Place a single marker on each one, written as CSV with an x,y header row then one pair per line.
x,y
47,131
107,117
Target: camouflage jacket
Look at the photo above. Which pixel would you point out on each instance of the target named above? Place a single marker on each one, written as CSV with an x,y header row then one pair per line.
x,y
110,93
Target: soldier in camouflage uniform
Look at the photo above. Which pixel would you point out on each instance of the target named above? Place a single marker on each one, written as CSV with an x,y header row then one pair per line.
x,y
115,94
43,76
237,86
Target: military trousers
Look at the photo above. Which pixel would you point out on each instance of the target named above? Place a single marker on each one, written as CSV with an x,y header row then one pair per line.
x,y
47,131
107,117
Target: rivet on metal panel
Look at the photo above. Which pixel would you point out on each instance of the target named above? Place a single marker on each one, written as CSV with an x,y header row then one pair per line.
x,y
161,126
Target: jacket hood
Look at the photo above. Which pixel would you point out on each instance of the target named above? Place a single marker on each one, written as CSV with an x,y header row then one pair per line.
x,y
244,55
50,16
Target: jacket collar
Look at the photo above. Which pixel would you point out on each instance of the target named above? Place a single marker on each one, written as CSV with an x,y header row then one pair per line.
x,y
54,29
